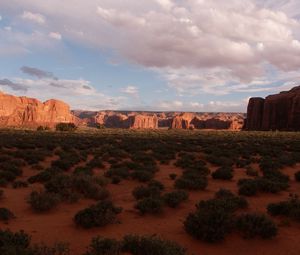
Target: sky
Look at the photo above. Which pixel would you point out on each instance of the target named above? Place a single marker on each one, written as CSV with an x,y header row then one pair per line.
x,y
155,55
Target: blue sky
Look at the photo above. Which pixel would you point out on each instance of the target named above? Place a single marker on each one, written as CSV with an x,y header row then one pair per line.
x,y
164,55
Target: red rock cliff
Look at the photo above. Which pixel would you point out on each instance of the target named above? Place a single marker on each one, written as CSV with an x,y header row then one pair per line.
x,y
276,112
30,112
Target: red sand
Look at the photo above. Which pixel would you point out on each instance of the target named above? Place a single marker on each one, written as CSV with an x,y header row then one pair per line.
x,y
57,225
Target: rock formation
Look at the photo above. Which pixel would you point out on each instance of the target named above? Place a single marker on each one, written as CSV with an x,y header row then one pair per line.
x,y
30,112
143,121
276,112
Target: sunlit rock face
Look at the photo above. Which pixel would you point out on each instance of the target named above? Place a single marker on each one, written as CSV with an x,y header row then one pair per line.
x,y
30,112
275,112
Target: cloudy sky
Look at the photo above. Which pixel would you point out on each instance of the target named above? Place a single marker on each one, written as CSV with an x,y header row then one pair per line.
x,y
191,55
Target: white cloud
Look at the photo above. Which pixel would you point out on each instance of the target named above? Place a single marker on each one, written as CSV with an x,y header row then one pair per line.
x,y
131,90
196,46
56,36
34,17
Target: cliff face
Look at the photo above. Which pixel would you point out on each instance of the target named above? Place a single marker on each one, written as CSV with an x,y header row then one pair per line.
x,y
255,112
30,112
174,120
276,112
143,121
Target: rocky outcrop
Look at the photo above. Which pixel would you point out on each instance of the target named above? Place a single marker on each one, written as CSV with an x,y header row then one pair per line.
x,y
174,120
143,121
30,112
276,112
226,121
182,121
255,112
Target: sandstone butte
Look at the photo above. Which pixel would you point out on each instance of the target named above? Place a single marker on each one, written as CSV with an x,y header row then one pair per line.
x,y
30,112
275,112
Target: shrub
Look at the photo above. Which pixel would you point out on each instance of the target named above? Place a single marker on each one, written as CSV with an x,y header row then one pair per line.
x,y
150,245
6,214
248,187
289,208
65,127
43,201
173,199
251,171
223,173
173,176
297,176
208,225
141,192
98,215
142,175
59,248
150,205
19,184
191,180
105,246
14,243
252,225
213,218
156,184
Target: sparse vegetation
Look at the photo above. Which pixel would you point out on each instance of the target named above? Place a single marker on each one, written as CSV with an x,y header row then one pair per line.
x,y
98,215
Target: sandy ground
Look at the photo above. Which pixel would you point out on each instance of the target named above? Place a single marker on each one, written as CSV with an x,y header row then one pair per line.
x,y
57,225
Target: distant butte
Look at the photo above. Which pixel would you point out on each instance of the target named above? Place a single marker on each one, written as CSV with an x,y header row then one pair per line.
x,y
275,112
31,113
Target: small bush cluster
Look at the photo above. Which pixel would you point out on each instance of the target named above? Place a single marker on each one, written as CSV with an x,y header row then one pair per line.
x,y
6,215
297,176
175,198
256,225
65,127
223,173
98,215
135,245
289,208
271,182
43,201
213,218
19,243
105,246
150,245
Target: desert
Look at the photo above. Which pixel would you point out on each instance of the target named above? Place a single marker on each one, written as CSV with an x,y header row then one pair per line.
x,y
153,127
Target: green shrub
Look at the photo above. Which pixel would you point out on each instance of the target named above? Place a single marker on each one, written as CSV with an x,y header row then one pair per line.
x,y
98,215
141,192
6,215
248,187
65,127
173,199
191,180
105,246
209,225
14,243
19,184
142,175
173,176
289,208
150,245
150,205
297,176
253,225
223,173
156,184
213,218
43,201
251,171
59,248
